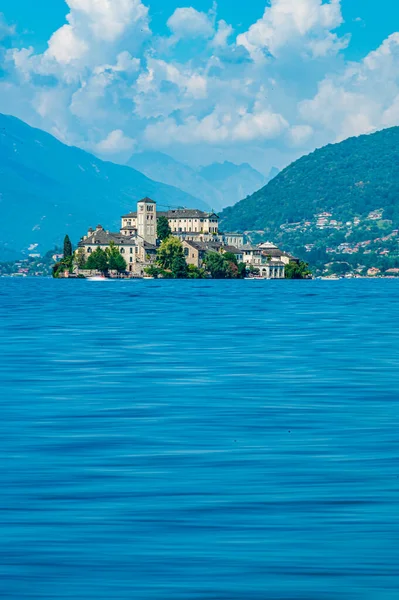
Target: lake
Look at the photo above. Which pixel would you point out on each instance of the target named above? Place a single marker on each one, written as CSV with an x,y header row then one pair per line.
x,y
199,440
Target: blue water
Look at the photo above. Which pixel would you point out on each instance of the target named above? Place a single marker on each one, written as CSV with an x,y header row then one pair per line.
x,y
199,440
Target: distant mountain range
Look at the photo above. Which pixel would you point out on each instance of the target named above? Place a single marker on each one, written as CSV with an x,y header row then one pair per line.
x,y
355,182
219,184
48,189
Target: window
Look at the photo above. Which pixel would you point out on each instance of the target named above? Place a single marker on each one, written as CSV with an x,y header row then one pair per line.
x,y
185,251
89,250
131,259
131,250
122,251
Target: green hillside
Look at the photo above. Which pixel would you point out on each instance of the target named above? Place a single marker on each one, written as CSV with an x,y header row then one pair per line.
x,y
355,183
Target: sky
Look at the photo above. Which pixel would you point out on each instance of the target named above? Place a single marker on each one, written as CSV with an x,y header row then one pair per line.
x,y
255,81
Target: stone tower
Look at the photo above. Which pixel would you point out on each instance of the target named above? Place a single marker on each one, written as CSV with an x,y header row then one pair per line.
x,y
147,220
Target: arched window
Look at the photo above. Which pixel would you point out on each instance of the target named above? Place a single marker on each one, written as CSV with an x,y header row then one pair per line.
x,y
88,250
122,251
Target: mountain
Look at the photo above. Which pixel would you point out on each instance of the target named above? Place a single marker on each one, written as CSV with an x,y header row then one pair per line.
x,y
233,181
273,173
48,189
172,172
355,183
219,184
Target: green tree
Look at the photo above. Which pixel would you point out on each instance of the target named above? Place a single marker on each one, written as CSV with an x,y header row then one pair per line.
x,y
80,258
67,247
179,267
216,265
169,250
66,264
194,272
230,257
116,262
154,271
297,271
163,229
242,270
98,261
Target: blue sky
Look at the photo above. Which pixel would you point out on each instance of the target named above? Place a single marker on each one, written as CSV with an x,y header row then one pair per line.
x,y
259,82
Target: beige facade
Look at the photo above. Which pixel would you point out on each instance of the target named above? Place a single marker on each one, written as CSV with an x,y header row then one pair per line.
x,y
147,220
199,233
192,221
137,253
194,252
260,260
181,221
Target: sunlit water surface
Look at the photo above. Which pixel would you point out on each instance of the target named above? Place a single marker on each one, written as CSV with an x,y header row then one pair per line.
x,y
199,440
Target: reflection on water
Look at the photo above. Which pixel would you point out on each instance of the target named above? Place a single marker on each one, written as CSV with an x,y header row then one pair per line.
x,y
199,440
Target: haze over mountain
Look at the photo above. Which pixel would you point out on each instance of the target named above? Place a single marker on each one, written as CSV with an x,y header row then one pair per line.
x,y
233,182
172,172
219,184
48,189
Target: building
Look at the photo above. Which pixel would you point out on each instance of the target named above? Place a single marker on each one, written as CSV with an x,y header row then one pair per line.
x,y
185,223
181,220
136,242
274,253
257,262
199,233
194,252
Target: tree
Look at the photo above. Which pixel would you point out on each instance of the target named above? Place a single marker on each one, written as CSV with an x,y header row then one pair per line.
x,y
163,229
194,272
170,249
116,262
154,271
67,247
297,271
216,265
66,264
80,258
242,270
97,261
179,267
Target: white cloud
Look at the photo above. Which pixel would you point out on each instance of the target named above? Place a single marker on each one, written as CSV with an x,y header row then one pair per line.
x,y
65,46
91,37
188,22
104,84
6,30
300,134
115,143
224,31
219,127
304,23
361,99
107,19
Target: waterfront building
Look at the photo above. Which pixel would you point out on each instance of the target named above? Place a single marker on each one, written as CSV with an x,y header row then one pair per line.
x,y
199,233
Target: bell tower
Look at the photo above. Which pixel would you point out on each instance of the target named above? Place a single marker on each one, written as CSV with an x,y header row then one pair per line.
x,y
147,220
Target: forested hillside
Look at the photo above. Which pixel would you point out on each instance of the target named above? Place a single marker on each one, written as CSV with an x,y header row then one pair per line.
x,y
338,204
